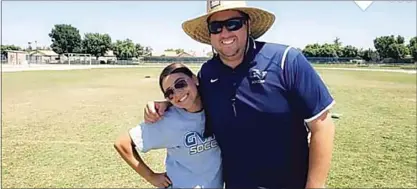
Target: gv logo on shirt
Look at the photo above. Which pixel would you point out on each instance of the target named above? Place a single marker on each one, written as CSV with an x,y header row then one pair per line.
x,y
197,143
257,76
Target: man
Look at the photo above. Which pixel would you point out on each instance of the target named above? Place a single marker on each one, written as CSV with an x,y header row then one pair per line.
x,y
258,98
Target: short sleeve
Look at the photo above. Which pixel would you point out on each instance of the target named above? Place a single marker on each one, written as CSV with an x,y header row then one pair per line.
x,y
156,135
312,94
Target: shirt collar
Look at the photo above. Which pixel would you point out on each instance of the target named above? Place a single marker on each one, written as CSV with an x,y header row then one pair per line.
x,y
251,52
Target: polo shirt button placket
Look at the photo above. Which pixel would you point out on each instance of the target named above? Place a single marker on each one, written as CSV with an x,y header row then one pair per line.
x,y
234,77
233,106
233,99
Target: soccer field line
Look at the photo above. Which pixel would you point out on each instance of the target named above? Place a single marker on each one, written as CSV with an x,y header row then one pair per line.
x,y
59,142
80,67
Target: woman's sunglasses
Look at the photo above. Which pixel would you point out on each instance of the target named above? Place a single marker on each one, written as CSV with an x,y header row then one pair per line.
x,y
179,84
232,24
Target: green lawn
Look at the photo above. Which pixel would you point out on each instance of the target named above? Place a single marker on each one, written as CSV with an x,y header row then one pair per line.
x,y
58,127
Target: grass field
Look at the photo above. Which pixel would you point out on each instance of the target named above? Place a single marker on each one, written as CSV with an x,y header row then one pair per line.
x,y
372,66
58,127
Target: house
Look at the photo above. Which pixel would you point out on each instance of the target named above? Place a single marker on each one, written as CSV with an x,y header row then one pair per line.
x,y
43,56
17,57
172,54
184,54
108,57
31,57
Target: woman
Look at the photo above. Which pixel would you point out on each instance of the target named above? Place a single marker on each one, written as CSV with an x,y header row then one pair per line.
x,y
192,161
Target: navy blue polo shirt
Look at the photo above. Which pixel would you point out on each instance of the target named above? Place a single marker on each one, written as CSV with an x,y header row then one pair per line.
x,y
257,112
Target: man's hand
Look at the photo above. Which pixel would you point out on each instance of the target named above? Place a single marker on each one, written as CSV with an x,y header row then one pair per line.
x,y
154,110
159,180
321,147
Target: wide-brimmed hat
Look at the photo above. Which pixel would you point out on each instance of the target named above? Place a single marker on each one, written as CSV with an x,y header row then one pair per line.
x,y
260,20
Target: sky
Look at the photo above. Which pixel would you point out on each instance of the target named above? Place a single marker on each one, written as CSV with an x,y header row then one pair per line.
x,y
158,23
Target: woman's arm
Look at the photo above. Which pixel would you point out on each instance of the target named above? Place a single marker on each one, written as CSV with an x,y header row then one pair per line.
x,y
125,147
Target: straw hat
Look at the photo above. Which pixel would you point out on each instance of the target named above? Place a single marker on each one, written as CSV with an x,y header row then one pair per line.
x,y
261,20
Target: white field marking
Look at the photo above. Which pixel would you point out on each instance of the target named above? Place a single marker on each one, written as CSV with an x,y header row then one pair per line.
x,y
58,142
14,68
18,68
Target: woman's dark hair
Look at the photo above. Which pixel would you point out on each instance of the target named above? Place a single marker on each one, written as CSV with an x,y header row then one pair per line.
x,y
181,68
174,68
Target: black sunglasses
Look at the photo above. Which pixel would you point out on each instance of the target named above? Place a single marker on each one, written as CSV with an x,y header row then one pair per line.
x,y
179,84
232,24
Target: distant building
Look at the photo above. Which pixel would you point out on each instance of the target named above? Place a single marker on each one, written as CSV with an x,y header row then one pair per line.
x,y
42,56
184,54
172,54
108,57
27,57
16,57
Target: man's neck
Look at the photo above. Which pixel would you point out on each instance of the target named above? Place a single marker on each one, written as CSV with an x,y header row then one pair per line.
x,y
234,63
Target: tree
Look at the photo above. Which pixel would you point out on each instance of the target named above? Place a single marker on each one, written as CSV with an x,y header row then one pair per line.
x,y
316,50
374,55
178,51
311,50
382,43
147,51
29,46
96,44
390,46
65,39
125,49
368,55
338,47
327,50
397,51
349,51
140,49
412,46
5,48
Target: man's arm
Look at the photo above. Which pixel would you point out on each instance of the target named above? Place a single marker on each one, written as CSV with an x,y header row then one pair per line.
x,y
321,147
314,102
154,110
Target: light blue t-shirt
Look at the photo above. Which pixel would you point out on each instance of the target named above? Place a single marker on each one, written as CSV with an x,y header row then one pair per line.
x,y
192,160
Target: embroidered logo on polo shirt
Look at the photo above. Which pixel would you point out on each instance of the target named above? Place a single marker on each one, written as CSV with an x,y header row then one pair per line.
x,y
257,76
